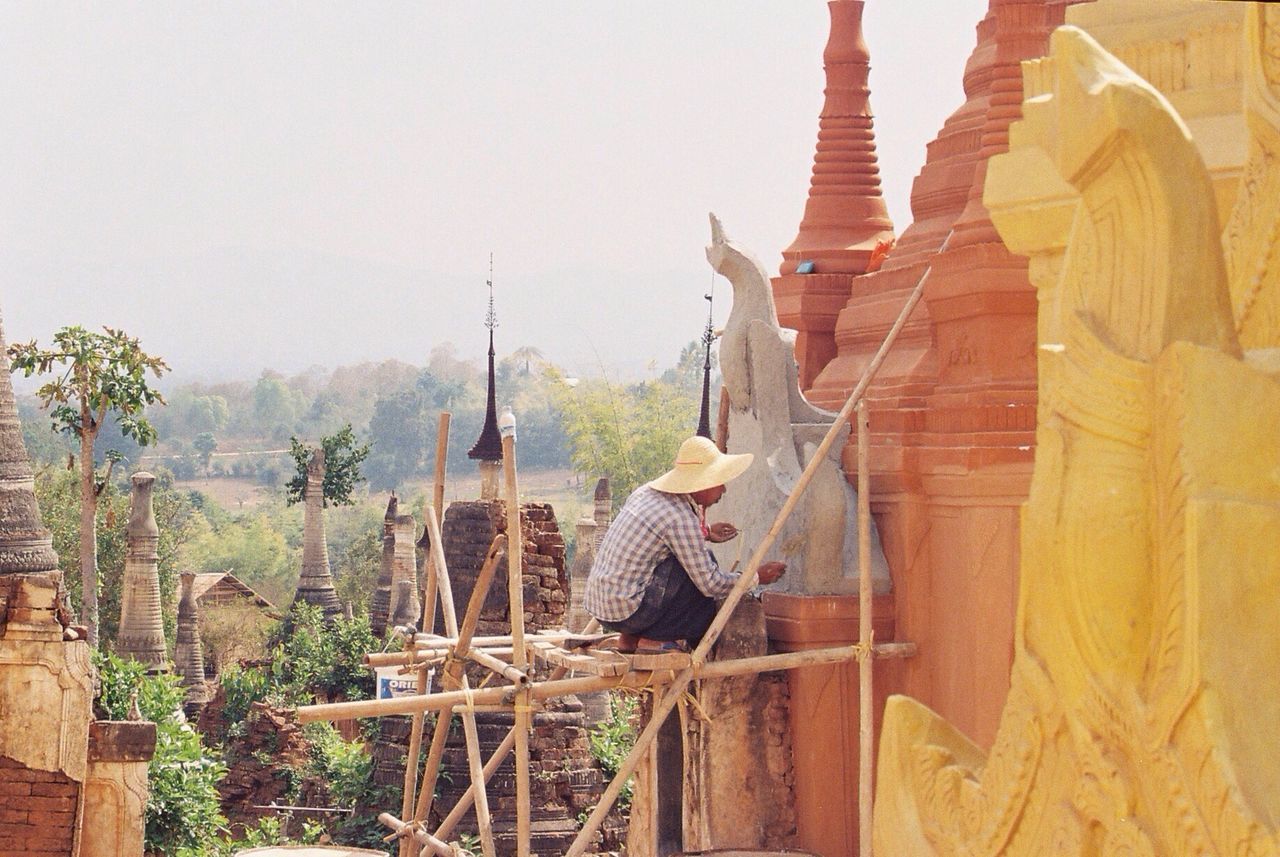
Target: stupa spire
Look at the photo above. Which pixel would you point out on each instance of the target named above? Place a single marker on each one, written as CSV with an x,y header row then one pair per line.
x,y
845,215
141,634
380,605
488,448
845,218
26,546
188,652
315,585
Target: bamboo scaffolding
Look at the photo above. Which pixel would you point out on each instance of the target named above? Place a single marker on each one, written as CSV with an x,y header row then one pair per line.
x,y
499,756
520,695
549,689
437,494
411,760
454,675
748,579
519,656
865,708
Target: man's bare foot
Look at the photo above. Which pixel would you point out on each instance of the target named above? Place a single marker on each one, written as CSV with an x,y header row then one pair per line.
x,y
627,643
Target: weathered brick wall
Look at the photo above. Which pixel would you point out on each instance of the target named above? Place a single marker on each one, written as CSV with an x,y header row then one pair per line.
x,y
37,811
469,528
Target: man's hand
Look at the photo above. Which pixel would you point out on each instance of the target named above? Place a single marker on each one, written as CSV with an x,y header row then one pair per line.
x,y
769,572
721,531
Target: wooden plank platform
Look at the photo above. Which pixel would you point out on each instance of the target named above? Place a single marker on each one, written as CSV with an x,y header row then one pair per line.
x,y
588,661
606,662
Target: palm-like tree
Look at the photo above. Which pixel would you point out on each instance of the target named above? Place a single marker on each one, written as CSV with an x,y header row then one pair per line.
x,y
526,354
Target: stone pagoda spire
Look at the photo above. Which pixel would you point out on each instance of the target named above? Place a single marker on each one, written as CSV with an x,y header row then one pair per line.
x,y
380,606
488,448
845,216
315,585
141,634
188,653
604,507
406,608
25,545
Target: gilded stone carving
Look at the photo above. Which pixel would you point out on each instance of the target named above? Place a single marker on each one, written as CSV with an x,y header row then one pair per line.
x,y
1143,685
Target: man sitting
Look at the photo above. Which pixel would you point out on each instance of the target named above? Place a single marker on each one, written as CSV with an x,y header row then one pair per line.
x,y
653,575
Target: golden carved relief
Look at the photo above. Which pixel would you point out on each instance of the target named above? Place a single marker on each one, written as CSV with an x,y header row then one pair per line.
x,y
1144,691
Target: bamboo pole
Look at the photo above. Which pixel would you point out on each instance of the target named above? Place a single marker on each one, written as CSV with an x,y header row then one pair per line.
x,y
512,674
722,421
411,760
550,689
865,708
662,707
437,493
519,657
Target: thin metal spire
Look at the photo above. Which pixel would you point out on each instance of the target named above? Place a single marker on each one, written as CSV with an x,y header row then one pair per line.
x,y
489,445
708,336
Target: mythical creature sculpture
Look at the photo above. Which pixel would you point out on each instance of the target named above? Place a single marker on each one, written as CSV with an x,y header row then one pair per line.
x,y
1144,686
769,416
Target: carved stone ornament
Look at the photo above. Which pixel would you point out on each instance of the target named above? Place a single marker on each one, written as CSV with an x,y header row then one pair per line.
x,y
1144,689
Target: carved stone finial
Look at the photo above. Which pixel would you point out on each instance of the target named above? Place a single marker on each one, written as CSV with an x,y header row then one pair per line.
x,y
141,635
26,546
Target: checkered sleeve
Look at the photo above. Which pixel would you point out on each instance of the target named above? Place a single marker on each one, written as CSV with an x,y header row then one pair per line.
x,y
684,537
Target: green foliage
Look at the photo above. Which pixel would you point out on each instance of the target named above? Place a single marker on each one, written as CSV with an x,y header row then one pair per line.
x,y
613,739
343,766
342,459
251,546
629,434
242,688
95,374
318,659
183,814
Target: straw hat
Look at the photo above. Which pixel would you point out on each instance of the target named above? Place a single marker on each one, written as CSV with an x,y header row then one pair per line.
x,y
700,465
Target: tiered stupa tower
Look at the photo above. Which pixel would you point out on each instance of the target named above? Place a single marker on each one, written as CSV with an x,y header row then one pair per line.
x,y
380,604
189,653
953,408
845,215
141,635
54,788
406,607
315,585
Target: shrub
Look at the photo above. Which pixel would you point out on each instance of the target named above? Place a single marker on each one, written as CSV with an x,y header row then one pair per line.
x,y
183,814
613,739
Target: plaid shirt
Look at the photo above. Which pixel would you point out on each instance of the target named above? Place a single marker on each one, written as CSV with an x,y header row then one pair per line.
x,y
651,526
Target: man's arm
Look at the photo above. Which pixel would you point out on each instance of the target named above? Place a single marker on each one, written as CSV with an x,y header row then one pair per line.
x,y
684,537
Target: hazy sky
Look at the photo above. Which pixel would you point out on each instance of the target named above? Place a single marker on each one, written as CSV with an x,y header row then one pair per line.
x,y
245,185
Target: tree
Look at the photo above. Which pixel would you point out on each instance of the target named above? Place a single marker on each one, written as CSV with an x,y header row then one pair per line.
x,y
526,354
342,460
95,374
205,443
629,434
397,432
